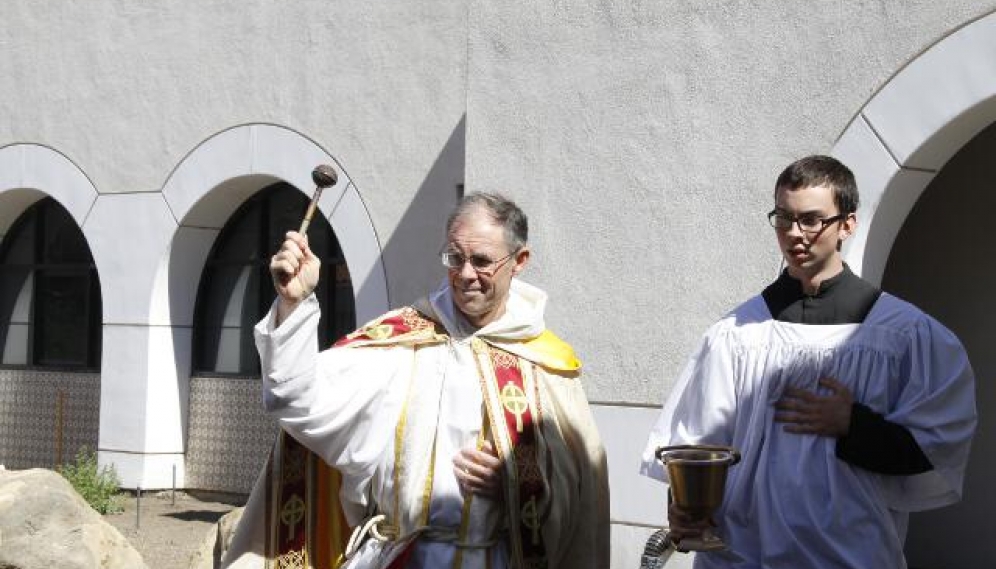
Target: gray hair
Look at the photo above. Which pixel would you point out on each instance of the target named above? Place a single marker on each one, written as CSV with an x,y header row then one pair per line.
x,y
501,210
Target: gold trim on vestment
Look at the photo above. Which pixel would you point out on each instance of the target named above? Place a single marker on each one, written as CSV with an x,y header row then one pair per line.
x,y
427,488
503,445
399,439
467,502
480,349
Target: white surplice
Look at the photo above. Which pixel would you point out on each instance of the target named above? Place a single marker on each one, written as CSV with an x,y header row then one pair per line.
x,y
345,404
791,502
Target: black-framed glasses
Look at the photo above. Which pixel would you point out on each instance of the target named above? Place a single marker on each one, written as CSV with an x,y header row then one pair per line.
x,y
483,264
809,223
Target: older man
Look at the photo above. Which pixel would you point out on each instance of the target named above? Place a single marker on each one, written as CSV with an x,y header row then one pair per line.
x,y
459,425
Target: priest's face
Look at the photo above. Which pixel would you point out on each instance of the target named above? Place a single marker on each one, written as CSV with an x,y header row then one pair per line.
x,y
481,283
810,245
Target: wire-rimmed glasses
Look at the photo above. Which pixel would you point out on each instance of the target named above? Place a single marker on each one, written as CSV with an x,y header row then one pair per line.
x,y
482,264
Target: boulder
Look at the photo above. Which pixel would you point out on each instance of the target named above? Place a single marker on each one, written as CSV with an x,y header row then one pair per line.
x,y
45,524
216,542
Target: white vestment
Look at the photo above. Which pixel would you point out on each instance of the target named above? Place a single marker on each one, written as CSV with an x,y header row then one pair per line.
x,y
349,405
790,502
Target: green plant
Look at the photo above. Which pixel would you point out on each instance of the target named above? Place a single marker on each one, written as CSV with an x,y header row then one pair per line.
x,y
98,486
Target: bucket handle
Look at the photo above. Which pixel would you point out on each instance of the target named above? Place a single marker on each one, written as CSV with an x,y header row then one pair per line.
x,y
734,453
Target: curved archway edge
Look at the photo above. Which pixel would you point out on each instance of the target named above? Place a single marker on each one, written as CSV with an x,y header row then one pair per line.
x,y
151,247
907,132
237,159
29,172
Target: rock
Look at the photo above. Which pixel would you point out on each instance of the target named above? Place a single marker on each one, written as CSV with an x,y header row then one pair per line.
x,y
45,524
216,542
171,495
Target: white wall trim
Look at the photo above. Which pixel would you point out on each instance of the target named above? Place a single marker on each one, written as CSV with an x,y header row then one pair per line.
x,y
907,132
30,172
217,176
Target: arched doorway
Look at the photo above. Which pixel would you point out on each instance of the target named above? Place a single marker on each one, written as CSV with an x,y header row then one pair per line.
x,y
229,436
50,360
50,335
940,262
206,191
920,153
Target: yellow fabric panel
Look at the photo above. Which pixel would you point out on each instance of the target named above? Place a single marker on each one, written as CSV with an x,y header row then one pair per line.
x,y
332,529
546,350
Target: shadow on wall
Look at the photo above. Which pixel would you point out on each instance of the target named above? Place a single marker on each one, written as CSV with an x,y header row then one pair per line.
x,y
410,253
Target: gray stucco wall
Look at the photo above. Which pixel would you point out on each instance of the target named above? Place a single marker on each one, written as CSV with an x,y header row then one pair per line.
x,y
642,137
645,137
126,90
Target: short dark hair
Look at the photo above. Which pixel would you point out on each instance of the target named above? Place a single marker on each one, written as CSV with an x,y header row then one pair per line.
x,y
820,170
501,210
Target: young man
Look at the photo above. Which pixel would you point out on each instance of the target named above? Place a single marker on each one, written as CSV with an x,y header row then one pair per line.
x,y
459,425
850,407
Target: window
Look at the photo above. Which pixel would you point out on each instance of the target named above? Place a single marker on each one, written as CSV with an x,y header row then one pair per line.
x,y
50,311
236,290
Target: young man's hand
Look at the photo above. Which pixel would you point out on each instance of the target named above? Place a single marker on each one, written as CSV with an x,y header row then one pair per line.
x,y
805,412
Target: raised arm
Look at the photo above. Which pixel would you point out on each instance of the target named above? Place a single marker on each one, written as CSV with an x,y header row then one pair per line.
x,y
295,270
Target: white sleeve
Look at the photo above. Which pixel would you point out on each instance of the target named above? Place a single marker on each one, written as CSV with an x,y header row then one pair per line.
x,y
336,402
701,408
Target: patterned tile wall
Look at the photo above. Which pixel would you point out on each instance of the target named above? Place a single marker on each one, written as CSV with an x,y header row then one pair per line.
x,y
28,416
229,434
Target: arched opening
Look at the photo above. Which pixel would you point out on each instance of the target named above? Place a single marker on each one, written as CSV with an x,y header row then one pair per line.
x,y
919,154
939,263
225,435
228,442
246,186
236,290
50,338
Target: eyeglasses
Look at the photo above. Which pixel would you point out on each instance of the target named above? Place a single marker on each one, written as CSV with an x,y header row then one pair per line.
x,y
480,263
809,223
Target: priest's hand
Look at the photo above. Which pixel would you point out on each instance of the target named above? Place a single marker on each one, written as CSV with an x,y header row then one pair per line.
x,y
295,273
805,412
479,471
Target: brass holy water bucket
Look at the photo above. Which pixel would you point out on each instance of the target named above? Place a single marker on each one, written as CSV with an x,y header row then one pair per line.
x,y
698,480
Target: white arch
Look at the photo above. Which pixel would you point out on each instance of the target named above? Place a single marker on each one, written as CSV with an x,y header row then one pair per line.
x,y
29,172
910,129
151,334
217,176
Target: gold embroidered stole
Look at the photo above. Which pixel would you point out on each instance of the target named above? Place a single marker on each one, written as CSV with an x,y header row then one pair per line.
x,y
415,452
512,402
305,527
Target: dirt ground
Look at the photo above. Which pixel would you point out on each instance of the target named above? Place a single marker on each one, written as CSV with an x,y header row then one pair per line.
x,y
167,535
